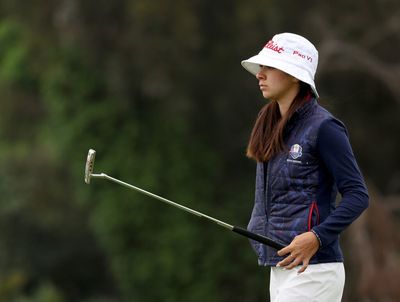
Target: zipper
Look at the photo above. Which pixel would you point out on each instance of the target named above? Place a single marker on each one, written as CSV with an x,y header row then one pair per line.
x,y
266,252
267,191
314,207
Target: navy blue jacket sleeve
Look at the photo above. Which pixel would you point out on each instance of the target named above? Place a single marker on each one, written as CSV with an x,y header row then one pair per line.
x,y
336,154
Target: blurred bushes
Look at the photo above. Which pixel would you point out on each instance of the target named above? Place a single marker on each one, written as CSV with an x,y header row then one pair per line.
x,y
157,89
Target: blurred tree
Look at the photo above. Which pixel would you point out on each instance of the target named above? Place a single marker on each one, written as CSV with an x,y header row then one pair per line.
x,y
43,235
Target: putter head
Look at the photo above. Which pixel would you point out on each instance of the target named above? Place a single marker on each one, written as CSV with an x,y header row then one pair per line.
x,y
89,165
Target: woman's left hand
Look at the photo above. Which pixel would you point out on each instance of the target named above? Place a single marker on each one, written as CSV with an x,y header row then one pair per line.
x,y
300,251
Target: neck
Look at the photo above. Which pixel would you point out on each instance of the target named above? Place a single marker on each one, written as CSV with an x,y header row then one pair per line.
x,y
286,100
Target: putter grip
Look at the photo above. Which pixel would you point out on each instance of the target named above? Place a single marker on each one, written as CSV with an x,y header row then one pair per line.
x,y
257,237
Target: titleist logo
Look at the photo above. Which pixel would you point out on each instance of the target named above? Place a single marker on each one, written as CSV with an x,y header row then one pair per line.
x,y
271,45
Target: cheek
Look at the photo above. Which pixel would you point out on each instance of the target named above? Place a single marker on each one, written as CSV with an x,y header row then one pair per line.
x,y
277,83
277,76
285,81
283,77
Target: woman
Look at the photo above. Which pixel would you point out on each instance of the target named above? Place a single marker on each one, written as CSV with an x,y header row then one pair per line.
x,y
303,158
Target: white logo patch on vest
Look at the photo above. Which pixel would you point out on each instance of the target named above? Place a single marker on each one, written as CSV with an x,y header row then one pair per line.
x,y
296,151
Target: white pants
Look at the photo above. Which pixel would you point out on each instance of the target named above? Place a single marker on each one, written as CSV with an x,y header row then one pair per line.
x,y
323,282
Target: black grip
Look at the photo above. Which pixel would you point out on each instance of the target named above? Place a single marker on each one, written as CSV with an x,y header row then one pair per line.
x,y
257,237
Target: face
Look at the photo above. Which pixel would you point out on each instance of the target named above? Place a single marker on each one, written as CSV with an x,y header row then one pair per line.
x,y
276,84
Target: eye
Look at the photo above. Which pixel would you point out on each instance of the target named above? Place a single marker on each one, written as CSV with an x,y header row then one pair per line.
x,y
267,67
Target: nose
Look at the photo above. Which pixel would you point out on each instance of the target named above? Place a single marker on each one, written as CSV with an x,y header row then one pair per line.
x,y
261,75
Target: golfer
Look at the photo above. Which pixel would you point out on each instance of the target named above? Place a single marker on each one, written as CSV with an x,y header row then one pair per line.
x,y
304,158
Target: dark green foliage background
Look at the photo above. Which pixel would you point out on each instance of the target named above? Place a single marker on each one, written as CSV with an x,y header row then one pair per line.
x,y
157,89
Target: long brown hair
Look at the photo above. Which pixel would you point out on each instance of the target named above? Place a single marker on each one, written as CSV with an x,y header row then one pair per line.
x,y
266,139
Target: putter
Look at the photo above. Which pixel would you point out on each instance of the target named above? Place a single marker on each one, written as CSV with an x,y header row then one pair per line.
x,y
259,238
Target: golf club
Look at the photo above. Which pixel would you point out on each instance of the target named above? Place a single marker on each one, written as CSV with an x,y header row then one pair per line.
x,y
89,174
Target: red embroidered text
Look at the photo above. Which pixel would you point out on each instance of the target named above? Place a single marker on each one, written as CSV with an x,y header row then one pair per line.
x,y
271,45
308,58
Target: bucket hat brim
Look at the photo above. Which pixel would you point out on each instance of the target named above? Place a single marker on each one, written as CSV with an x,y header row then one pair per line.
x,y
253,66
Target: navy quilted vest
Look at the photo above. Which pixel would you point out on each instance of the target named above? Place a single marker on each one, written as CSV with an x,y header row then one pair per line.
x,y
286,187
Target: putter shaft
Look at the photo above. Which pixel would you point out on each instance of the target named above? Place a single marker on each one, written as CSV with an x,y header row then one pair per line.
x,y
260,238
177,205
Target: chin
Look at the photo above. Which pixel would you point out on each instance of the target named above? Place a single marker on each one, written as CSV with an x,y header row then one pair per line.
x,y
266,95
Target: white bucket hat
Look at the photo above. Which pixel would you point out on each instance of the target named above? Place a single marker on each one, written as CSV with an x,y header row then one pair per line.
x,y
290,53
